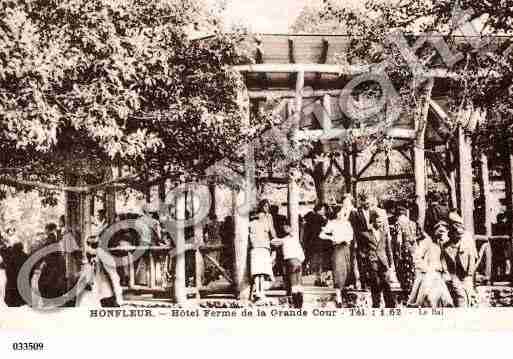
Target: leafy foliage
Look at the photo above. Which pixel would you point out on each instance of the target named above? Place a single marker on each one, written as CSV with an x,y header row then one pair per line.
x,y
85,84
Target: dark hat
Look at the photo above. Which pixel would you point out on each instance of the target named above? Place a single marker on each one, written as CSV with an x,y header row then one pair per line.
x,y
455,218
401,209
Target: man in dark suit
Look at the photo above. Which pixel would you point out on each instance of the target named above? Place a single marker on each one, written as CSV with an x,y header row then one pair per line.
x,y
436,212
376,250
360,220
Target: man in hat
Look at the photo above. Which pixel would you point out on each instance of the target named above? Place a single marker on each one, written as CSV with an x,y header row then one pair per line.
x,y
405,244
460,256
436,212
376,249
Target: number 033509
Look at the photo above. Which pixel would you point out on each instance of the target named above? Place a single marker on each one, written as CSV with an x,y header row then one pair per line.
x,y
21,346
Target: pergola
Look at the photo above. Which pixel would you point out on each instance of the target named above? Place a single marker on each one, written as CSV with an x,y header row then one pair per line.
x,y
303,71
284,65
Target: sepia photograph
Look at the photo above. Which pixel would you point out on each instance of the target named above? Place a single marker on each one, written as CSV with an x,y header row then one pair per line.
x,y
193,160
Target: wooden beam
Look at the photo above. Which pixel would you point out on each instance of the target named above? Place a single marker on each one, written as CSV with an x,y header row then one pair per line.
x,y
484,183
240,212
264,94
220,268
419,161
199,265
508,179
465,179
366,167
180,294
408,158
449,164
292,60
337,133
354,169
349,70
437,162
403,176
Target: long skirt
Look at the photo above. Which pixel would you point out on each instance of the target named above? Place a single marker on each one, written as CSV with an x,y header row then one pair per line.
x,y
429,290
341,264
261,262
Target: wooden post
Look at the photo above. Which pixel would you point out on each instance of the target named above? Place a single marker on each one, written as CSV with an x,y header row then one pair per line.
x,y
131,271
293,188
241,246
198,240
465,179
240,212
419,160
322,168
180,293
354,169
449,159
485,194
213,204
348,178
153,281
109,199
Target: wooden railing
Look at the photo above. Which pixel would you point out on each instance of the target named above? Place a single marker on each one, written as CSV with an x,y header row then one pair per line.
x,y
150,253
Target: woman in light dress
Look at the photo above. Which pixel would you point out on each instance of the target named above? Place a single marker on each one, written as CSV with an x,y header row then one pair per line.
x,y
340,232
261,232
429,288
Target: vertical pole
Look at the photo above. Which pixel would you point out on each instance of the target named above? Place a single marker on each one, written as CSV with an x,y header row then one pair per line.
x,y
131,270
420,181
180,294
465,179
110,199
293,188
213,192
485,194
449,159
153,280
419,161
198,241
354,169
508,179
326,125
240,211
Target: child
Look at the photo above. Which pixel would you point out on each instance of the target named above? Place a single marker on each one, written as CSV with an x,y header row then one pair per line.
x,y
294,256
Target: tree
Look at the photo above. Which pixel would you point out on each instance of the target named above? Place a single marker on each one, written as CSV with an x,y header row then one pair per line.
x,y
89,84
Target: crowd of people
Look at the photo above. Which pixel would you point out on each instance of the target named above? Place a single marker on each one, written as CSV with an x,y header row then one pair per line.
x,y
368,247
363,246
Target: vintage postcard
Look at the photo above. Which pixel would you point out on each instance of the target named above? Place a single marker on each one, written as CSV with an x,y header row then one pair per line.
x,y
173,165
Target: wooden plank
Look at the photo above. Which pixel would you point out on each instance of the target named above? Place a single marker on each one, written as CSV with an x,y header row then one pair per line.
x,y
337,133
327,68
403,176
264,94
